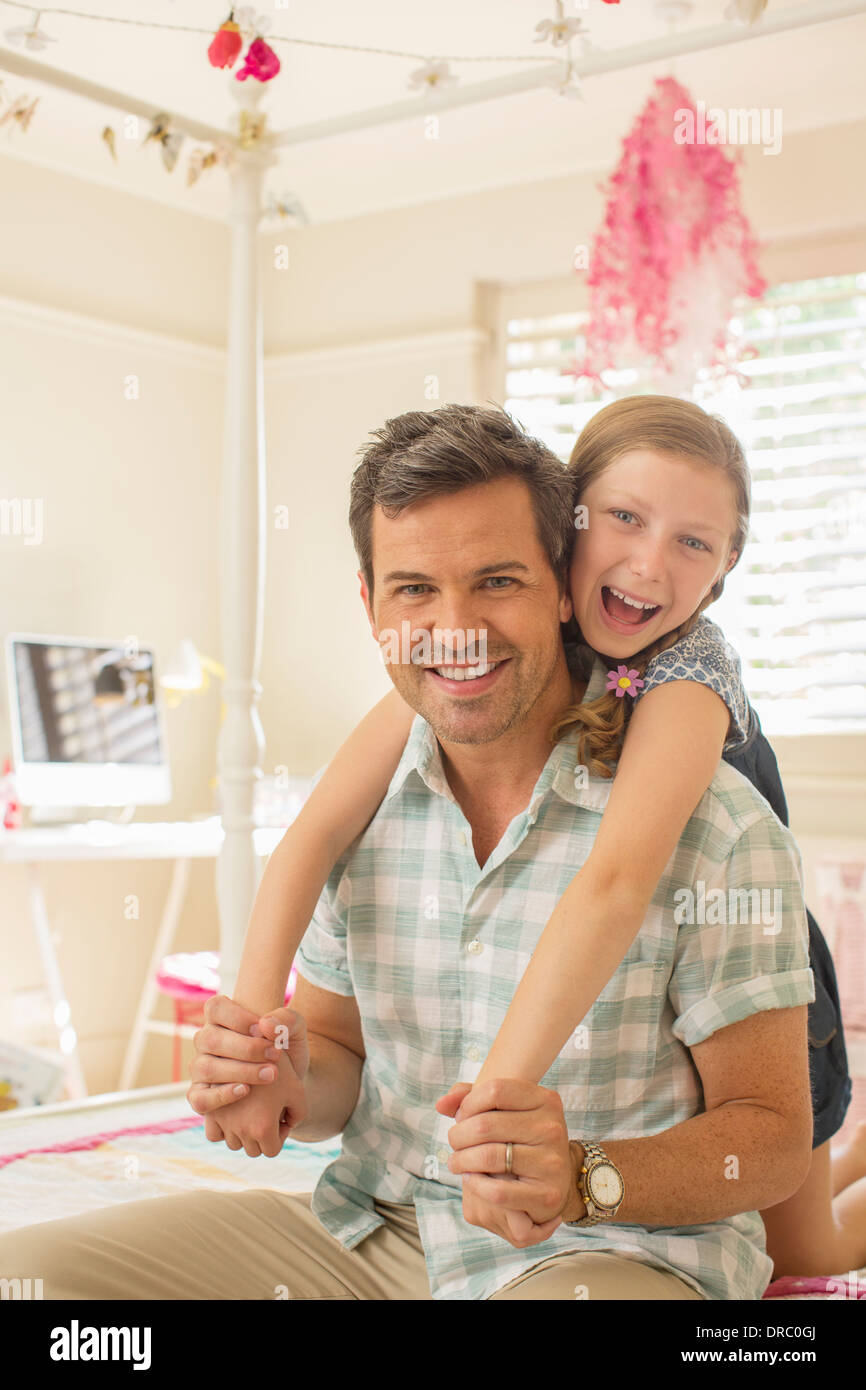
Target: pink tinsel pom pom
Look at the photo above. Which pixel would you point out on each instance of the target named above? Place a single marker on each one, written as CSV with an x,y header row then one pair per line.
x,y
673,252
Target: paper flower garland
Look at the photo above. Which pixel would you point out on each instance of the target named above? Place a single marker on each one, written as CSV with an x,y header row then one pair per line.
x,y
170,140
33,38
432,76
745,11
20,110
287,205
569,84
201,158
559,31
226,45
673,252
260,60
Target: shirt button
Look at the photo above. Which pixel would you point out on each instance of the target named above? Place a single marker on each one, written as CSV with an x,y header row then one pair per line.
x,y
472,1053
462,837
476,947
443,1155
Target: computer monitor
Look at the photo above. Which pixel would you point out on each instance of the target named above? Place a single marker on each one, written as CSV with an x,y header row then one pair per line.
x,y
88,726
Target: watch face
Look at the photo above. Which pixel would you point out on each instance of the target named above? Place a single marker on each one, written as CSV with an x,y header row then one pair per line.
x,y
605,1185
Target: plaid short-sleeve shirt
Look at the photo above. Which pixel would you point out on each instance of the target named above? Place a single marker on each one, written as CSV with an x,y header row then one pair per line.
x,y
433,947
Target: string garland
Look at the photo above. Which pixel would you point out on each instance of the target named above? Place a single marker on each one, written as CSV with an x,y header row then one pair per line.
x,y
262,63
675,247
283,38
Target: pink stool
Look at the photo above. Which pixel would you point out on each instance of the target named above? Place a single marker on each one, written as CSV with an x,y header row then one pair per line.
x,y
190,979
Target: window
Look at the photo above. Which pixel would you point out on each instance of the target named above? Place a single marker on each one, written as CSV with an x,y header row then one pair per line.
x,y
795,605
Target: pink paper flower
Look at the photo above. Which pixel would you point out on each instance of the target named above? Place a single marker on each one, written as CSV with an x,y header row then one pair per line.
x,y
226,45
260,61
622,680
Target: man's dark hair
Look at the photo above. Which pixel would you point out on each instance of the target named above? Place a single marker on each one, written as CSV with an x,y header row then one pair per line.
x,y
429,453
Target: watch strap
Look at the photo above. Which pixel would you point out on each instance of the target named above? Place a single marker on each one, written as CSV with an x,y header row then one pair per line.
x,y
593,1155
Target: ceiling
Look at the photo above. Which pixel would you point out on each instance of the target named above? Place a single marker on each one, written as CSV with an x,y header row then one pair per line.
x,y
814,75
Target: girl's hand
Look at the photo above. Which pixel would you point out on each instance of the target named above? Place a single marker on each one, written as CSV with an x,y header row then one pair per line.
x,y
230,1051
261,1122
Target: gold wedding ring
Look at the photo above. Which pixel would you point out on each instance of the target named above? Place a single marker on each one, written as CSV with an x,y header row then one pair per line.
x,y
509,1157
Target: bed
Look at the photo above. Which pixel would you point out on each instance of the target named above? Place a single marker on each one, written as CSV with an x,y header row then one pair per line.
x,y
126,1146
77,1156
82,1155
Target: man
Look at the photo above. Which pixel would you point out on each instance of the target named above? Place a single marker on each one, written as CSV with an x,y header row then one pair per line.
x,y
426,926
695,1082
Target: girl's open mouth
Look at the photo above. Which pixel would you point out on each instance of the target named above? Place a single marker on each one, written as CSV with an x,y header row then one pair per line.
x,y
623,614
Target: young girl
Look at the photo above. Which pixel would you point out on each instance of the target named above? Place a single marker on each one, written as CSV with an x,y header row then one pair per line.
x,y
639,588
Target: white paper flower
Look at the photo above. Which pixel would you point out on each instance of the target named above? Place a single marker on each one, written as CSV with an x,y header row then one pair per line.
x,y
433,76
287,205
745,11
19,111
251,23
571,90
225,155
568,84
33,38
558,31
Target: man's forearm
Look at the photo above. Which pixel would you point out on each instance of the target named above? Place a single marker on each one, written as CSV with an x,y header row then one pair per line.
x,y
738,1157
332,1084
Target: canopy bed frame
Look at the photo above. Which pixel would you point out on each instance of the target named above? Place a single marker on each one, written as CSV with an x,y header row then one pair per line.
x,y
243,502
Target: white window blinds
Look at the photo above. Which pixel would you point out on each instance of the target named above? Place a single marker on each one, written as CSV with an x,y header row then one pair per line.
x,y
795,605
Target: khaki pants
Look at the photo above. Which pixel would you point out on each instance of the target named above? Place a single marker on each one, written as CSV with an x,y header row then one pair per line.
x,y
262,1244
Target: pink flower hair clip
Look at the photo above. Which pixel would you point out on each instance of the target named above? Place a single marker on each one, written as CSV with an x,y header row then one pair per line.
x,y
622,680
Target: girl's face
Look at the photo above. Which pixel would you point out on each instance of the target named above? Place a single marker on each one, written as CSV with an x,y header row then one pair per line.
x,y
658,531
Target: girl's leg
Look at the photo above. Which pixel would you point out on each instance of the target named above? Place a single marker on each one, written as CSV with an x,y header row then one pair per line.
x,y
810,1233
849,1159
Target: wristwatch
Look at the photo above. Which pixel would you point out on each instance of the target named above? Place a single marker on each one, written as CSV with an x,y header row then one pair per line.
x,y
600,1184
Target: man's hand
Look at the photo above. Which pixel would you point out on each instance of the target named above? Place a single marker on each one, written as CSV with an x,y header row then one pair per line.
x,y
541,1184
231,1049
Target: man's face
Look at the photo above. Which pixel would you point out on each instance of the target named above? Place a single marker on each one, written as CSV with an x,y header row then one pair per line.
x,y
468,561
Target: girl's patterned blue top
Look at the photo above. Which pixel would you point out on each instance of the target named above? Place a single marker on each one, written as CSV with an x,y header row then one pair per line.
x,y
705,656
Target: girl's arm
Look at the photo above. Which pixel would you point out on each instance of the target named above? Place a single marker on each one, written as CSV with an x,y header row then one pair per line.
x,y
672,748
340,806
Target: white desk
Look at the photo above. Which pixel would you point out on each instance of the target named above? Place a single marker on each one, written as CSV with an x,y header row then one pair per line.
x,y
181,841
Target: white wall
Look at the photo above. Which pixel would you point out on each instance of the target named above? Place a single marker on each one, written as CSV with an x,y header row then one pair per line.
x,y
366,313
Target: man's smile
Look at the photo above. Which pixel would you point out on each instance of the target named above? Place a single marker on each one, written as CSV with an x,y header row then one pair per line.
x,y
468,678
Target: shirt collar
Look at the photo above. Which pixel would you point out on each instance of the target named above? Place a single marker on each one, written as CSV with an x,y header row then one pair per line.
x,y
422,755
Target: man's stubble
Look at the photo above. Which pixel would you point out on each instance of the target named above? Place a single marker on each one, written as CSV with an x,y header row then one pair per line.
x,y
451,723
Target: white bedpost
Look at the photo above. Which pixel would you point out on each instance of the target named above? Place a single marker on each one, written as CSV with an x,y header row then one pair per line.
x,y
241,744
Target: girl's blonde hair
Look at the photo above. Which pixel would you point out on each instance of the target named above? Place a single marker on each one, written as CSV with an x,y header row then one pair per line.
x,y
680,429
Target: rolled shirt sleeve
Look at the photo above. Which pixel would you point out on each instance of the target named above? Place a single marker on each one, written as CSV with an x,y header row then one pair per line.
x,y
322,956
